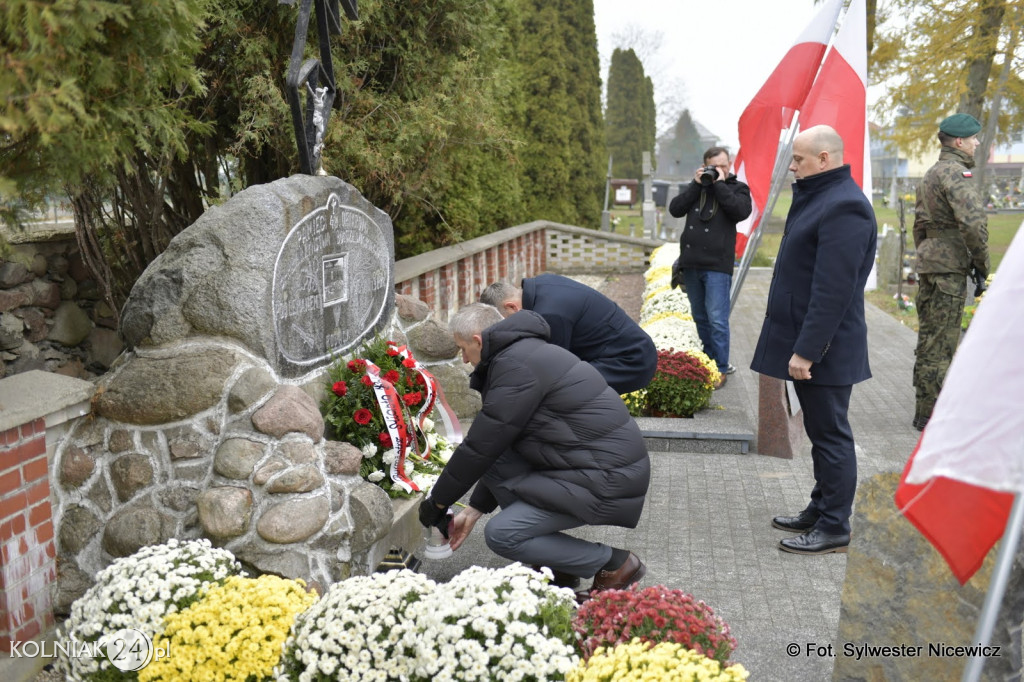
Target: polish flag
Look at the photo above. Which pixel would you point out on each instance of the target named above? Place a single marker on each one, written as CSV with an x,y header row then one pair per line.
x,y
838,97
959,484
771,111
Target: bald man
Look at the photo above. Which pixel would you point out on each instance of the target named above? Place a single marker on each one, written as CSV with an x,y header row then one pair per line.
x,y
814,331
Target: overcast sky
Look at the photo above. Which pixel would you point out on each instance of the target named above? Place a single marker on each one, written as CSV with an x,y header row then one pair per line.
x,y
714,55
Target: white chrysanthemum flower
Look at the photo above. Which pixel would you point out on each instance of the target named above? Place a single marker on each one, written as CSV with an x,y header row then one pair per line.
x,y
137,592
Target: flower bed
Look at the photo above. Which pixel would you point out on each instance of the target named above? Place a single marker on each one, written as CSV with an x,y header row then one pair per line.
x,y
686,376
640,661
653,614
139,592
214,624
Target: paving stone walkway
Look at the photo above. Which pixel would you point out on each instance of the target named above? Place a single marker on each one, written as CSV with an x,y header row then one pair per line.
x,y
706,524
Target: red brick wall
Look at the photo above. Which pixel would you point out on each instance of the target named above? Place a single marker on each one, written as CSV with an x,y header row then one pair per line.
x,y
27,550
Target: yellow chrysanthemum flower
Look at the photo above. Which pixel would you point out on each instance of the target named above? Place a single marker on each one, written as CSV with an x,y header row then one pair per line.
x,y
234,631
666,662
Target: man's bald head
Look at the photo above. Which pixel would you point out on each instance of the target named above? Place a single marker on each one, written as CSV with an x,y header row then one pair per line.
x,y
816,150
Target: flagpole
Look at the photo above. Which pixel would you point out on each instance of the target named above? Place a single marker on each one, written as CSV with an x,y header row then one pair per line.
x,y
779,172
996,589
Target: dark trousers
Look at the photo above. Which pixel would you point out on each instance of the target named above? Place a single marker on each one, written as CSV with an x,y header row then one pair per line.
x,y
825,411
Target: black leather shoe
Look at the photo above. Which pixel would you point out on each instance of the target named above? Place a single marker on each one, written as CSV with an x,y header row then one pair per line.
x,y
631,571
920,423
816,542
804,521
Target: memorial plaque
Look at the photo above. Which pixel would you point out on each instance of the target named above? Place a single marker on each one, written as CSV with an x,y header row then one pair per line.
x,y
331,283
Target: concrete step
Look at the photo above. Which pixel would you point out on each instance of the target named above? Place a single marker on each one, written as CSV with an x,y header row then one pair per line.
x,y
711,431
727,426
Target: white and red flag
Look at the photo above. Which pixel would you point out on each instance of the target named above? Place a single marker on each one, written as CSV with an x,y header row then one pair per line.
x,y
772,109
838,97
960,482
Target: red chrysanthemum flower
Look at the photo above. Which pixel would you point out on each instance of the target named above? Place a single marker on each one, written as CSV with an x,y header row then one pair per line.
x,y
339,388
362,416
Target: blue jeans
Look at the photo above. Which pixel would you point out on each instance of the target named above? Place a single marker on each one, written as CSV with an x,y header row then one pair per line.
x,y
708,292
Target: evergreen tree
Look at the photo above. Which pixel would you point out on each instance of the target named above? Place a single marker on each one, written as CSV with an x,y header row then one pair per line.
x,y
139,111
562,137
682,151
650,119
629,120
588,160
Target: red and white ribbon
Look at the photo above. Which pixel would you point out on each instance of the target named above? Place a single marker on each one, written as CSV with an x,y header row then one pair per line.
x,y
435,396
391,410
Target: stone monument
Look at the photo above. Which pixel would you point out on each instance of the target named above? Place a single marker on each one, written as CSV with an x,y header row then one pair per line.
x,y
648,209
209,425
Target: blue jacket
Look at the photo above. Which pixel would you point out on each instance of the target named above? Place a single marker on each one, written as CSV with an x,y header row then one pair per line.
x,y
550,432
595,329
816,300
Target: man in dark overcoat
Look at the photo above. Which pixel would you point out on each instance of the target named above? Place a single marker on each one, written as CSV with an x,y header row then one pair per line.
x,y
814,331
586,322
552,445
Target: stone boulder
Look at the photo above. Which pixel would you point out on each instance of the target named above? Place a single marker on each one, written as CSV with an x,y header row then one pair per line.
x,y
256,271
290,410
158,390
898,591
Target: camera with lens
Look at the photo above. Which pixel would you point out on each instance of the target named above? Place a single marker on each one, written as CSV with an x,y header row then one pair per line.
x,y
708,175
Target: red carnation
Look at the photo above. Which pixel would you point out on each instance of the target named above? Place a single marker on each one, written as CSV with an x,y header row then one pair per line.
x,y
385,440
392,376
357,365
412,399
392,351
362,416
339,388
420,380
367,381
408,362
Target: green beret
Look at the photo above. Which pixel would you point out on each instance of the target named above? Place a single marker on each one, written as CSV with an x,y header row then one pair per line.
x,y
960,125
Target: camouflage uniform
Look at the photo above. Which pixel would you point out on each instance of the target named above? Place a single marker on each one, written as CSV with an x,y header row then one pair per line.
x,y
951,233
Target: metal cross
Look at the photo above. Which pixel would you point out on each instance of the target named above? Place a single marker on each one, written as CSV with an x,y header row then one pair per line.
x,y
316,77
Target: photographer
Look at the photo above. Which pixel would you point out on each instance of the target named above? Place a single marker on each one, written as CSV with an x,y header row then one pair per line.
x,y
713,203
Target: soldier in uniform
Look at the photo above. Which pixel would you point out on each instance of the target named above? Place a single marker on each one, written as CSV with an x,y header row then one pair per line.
x,y
951,234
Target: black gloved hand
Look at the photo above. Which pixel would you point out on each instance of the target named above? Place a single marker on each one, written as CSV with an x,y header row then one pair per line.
x,y
979,275
431,516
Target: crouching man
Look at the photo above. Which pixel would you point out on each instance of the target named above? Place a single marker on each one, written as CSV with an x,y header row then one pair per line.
x,y
553,446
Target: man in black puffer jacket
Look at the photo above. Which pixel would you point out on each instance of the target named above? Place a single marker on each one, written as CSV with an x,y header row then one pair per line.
x,y
553,445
